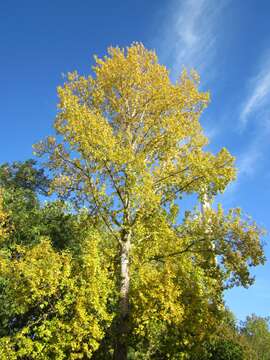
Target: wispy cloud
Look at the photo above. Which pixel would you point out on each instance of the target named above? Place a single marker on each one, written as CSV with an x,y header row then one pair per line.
x,y
192,34
251,158
247,163
256,106
258,95
247,166
211,132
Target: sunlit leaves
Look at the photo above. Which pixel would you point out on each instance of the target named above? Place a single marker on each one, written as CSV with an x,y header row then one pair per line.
x,y
128,147
53,305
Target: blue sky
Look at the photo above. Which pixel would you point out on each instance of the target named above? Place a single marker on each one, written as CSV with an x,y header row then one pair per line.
x,y
228,42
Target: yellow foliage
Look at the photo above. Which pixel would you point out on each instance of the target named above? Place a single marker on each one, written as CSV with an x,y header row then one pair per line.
x,y
131,130
129,147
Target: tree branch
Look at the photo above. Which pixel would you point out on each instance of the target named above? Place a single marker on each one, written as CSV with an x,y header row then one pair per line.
x,y
180,252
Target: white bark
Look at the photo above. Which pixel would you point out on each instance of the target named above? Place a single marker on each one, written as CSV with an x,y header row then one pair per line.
x,y
124,289
121,346
205,206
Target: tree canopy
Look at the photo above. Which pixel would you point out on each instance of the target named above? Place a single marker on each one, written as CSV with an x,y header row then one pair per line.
x,y
124,272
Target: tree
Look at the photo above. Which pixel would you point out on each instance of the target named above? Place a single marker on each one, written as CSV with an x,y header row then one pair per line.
x,y
225,343
5,227
129,146
255,330
24,175
21,184
50,307
54,284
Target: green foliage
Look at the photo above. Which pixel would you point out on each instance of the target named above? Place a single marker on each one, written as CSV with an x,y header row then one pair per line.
x,y
255,330
224,350
24,175
56,290
230,342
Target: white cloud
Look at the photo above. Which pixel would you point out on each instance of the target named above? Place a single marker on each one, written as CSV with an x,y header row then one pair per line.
x,y
247,163
259,93
211,132
191,35
257,106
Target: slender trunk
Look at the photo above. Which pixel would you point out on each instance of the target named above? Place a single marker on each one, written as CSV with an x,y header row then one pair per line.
x,y
205,203
205,206
121,343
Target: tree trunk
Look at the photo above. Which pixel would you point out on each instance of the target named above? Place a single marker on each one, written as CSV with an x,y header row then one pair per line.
x,y
205,206
121,343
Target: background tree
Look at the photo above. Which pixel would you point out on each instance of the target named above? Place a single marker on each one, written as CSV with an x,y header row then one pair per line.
x,y
255,330
25,175
129,147
225,343
54,283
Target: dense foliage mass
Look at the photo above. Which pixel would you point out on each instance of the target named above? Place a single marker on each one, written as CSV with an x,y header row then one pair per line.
x,y
113,269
